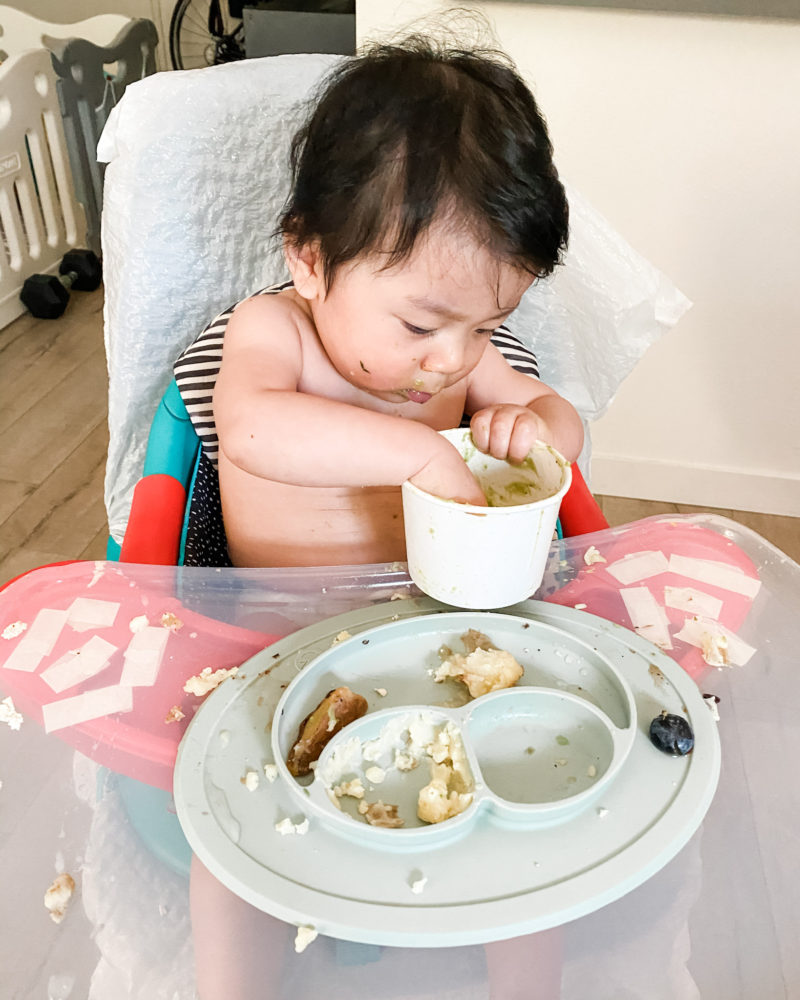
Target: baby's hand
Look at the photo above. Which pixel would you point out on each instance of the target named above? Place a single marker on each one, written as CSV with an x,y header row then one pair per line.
x,y
507,431
447,475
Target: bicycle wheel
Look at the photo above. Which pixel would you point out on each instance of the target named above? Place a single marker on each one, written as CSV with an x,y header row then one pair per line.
x,y
203,33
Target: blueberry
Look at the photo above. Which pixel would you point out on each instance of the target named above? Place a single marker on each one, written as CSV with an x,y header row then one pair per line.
x,y
671,734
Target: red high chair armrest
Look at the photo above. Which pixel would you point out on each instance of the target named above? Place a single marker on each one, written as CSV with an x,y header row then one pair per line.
x,y
580,513
153,534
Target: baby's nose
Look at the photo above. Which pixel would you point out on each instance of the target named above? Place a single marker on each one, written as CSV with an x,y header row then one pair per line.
x,y
445,357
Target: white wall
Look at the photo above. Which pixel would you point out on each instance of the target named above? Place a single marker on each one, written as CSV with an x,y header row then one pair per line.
x,y
684,132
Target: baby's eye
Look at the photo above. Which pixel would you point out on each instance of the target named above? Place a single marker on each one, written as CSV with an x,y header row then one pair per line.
x,y
420,331
488,332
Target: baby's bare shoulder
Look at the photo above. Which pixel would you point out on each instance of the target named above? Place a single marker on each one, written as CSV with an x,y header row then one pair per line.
x,y
263,345
265,317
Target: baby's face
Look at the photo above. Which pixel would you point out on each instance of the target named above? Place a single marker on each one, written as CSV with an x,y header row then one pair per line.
x,y
407,333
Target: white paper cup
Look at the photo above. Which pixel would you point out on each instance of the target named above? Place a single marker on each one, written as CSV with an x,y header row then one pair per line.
x,y
486,557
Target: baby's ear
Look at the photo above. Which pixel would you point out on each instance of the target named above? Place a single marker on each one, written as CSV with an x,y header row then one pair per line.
x,y
305,266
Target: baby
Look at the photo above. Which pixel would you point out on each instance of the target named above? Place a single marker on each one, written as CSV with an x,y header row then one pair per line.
x,y
425,203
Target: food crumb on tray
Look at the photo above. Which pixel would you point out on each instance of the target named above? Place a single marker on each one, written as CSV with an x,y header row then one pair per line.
x,y
287,826
381,814
305,935
204,682
9,714
138,624
174,715
58,896
171,621
337,709
592,556
251,780
418,882
482,667
14,629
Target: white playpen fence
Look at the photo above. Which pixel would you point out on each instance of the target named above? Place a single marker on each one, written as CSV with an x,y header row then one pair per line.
x,y
40,218
58,84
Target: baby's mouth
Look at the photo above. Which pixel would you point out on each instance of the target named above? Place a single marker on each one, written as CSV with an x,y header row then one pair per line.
x,y
415,396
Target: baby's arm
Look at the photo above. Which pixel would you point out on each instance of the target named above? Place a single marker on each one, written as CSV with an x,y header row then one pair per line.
x,y
510,411
270,428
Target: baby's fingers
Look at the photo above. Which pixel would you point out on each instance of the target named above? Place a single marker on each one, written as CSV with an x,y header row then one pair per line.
x,y
492,431
523,438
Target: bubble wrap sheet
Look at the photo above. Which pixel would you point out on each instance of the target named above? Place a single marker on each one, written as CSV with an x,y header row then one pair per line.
x,y
196,178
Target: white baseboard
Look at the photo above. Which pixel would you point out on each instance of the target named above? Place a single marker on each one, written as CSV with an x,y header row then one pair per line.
x,y
702,486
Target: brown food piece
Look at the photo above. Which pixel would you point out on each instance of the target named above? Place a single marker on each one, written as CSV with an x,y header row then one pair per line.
x,y
382,814
336,710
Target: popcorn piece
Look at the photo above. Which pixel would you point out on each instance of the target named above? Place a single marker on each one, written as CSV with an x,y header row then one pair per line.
x,y
418,884
382,814
436,801
250,781
449,791
341,637
9,714
375,775
204,682
580,607
171,622
286,826
381,691
484,668
58,896
174,715
354,788
405,761
271,772
12,630
305,935
592,556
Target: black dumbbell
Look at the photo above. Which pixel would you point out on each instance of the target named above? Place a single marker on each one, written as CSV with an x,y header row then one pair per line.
x,y
46,295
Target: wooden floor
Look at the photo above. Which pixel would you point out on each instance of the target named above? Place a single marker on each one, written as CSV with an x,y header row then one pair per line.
x,y
53,389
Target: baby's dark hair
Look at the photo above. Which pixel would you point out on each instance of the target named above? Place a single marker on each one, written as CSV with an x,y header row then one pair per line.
x,y
408,134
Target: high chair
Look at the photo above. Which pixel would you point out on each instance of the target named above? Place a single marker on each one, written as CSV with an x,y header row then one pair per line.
x,y
197,172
